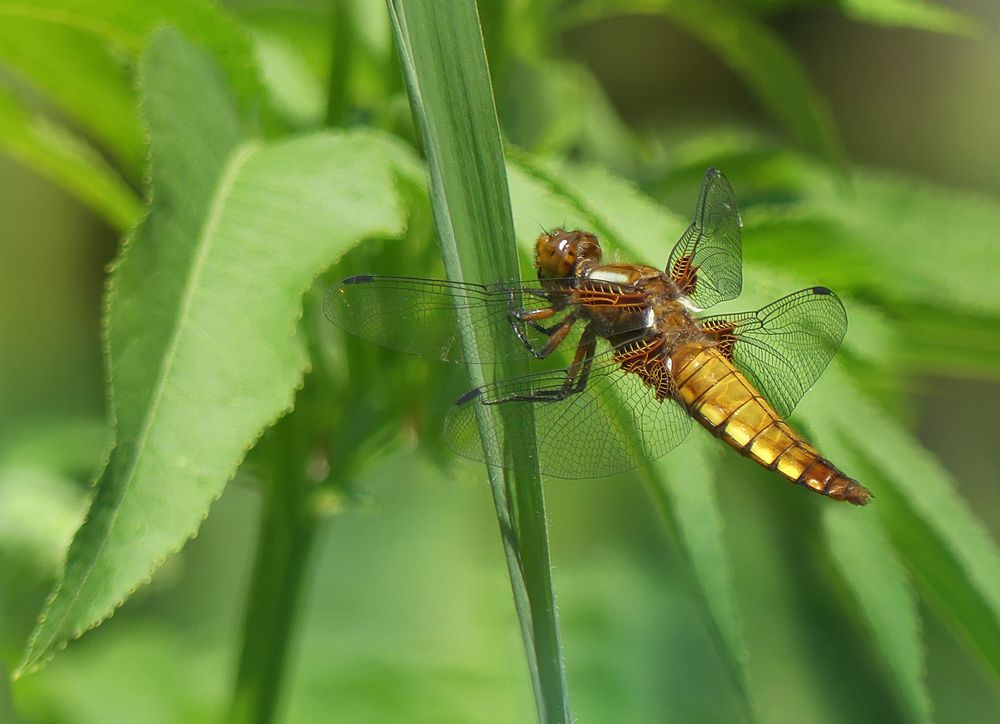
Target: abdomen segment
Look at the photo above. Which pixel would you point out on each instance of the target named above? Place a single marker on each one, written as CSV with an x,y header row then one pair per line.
x,y
719,397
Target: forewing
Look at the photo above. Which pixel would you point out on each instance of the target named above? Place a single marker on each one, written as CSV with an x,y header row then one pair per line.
x,y
707,262
426,317
614,424
784,347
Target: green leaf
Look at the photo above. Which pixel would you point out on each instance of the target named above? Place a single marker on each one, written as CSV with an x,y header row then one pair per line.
x,y
444,64
947,548
535,117
750,49
930,244
923,251
81,75
683,483
863,555
201,320
77,52
64,158
909,14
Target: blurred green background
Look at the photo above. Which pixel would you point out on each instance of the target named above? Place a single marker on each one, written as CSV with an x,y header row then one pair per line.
x,y
391,632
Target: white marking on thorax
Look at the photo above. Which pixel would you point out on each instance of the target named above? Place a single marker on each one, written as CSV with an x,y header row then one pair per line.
x,y
650,318
687,304
605,275
670,363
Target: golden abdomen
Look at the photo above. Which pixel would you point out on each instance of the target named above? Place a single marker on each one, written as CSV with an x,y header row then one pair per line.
x,y
719,397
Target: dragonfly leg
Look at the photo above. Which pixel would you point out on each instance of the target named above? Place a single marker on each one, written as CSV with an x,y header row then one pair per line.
x,y
576,375
531,317
556,332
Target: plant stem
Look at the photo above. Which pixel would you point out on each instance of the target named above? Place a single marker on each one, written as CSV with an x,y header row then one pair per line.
x,y
288,528
341,32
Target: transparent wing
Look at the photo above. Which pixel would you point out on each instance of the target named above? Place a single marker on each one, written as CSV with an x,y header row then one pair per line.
x,y
707,261
614,424
427,317
784,347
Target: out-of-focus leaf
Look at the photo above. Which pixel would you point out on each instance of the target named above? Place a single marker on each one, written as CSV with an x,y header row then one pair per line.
x,y
77,53
925,252
535,114
939,539
67,160
918,14
441,52
922,244
931,245
295,92
692,506
938,340
863,556
66,445
752,50
202,344
82,76
39,510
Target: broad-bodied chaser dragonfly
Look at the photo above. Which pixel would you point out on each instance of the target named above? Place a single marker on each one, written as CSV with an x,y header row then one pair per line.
x,y
610,410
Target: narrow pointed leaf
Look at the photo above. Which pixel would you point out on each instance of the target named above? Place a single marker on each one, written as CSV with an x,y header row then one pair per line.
x,y
684,483
863,556
82,76
750,49
919,14
77,54
201,320
947,549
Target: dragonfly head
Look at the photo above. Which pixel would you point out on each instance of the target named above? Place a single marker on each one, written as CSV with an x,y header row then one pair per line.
x,y
558,253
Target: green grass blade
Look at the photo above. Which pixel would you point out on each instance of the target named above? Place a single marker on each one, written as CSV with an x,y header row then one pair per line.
x,y
444,64
67,160
202,343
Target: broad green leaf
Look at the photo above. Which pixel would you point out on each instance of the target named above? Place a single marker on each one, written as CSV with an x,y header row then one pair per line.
x,y
947,548
750,49
202,315
67,160
77,53
441,51
919,14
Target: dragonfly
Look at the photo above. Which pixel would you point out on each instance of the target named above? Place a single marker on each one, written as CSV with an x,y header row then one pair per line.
x,y
647,361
